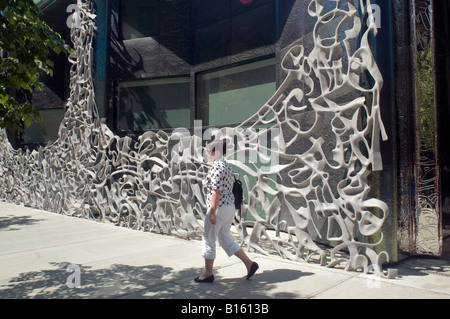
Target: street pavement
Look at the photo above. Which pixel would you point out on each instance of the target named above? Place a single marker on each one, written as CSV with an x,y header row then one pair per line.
x,y
49,256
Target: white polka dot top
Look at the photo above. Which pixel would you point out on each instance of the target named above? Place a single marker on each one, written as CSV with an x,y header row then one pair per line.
x,y
220,177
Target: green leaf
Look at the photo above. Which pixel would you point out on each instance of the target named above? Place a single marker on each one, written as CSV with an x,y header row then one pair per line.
x,y
27,41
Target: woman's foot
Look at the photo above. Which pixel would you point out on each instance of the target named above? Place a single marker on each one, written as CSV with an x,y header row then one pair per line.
x,y
203,279
254,267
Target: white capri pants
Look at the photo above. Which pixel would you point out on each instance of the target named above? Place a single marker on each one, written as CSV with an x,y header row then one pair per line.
x,y
220,231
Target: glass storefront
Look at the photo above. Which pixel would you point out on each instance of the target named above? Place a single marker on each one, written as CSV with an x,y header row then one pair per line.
x,y
227,96
46,130
153,104
231,95
207,61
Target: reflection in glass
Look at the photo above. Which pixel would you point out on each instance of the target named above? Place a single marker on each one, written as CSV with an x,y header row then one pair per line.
x,y
46,130
153,104
231,95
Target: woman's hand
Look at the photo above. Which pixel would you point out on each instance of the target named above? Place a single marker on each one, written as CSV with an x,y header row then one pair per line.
x,y
214,205
212,218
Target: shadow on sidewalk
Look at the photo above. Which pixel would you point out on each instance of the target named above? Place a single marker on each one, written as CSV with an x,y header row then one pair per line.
x,y
153,281
60,282
10,222
262,285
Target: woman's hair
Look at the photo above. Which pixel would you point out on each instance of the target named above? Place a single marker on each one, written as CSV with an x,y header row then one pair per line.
x,y
217,146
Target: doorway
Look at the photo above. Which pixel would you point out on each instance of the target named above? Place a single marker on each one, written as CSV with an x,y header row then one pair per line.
x,y
442,66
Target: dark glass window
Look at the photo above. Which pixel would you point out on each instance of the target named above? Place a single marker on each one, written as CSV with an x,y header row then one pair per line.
x,y
46,130
217,32
228,27
153,104
252,25
231,95
139,19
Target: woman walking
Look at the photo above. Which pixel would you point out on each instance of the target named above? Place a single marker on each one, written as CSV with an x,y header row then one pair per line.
x,y
220,213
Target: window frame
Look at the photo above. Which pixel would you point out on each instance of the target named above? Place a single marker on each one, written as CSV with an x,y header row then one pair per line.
x,y
155,81
196,75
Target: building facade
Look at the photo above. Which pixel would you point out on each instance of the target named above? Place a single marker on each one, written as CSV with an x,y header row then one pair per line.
x,y
333,110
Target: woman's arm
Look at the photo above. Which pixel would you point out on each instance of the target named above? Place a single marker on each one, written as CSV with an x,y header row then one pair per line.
x,y
214,205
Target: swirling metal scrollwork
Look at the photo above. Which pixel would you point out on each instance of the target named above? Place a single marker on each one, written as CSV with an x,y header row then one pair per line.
x,y
320,141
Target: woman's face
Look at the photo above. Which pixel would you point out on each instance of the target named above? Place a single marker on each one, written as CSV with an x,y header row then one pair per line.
x,y
212,156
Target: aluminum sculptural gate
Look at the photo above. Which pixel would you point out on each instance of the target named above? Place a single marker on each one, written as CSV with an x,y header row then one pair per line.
x,y
320,176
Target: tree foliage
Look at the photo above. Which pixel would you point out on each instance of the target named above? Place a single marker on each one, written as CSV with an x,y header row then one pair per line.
x,y
426,99
26,42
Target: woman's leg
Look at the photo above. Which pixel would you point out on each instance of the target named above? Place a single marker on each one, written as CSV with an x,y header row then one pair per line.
x,y
229,244
221,231
245,259
209,247
209,239
227,241
209,263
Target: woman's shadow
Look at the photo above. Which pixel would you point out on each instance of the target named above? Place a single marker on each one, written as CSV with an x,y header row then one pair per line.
x,y
261,285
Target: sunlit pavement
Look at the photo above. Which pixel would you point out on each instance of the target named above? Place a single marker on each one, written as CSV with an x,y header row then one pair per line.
x,y
45,255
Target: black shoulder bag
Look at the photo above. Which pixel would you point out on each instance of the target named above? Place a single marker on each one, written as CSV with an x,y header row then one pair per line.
x,y
238,194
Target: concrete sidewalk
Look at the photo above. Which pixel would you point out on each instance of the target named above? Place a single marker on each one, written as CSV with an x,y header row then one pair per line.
x,y
45,255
